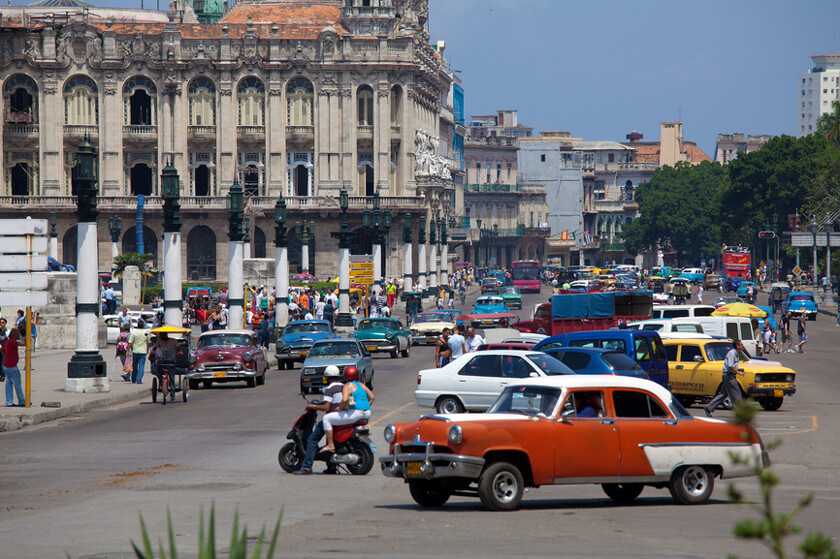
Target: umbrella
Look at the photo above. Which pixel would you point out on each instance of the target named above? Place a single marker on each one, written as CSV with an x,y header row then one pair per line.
x,y
304,277
740,309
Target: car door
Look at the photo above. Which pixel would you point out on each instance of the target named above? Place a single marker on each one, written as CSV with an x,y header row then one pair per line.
x,y
585,447
640,419
690,375
479,382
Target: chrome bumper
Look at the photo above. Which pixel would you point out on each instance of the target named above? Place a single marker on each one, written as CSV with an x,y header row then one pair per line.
x,y
228,374
431,465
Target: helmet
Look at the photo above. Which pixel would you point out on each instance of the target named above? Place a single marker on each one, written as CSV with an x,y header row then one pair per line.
x,y
351,373
332,371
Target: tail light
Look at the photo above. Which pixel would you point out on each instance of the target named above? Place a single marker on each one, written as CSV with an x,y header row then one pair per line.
x,y
418,380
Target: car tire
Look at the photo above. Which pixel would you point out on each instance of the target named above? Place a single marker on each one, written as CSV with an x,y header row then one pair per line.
x,y
770,403
394,354
691,485
622,493
289,458
686,401
261,379
302,389
185,394
155,390
251,382
500,487
207,383
369,382
449,404
427,493
407,350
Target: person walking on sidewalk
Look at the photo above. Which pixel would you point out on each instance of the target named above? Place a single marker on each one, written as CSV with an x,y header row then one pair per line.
x,y
802,332
123,348
139,342
730,388
11,370
787,335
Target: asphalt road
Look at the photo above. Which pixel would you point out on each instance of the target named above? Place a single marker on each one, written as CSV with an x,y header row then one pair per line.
x,y
78,486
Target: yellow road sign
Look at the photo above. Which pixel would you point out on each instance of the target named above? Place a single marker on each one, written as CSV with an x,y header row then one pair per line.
x,y
361,266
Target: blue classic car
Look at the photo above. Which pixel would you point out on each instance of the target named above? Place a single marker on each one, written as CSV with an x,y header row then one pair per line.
x,y
490,304
297,337
384,334
802,303
732,283
340,352
743,290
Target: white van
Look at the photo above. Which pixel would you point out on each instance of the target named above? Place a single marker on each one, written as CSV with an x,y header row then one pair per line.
x,y
666,325
682,311
733,327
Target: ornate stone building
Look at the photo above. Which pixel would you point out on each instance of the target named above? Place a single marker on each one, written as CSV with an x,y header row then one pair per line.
x,y
297,98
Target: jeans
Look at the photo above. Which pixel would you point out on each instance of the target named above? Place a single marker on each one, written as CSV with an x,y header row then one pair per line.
x,y
13,385
312,446
138,364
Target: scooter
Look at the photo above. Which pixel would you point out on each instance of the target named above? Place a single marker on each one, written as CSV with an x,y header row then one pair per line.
x,y
353,452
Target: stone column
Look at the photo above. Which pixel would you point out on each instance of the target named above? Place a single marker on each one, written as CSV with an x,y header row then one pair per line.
x,y
377,260
433,280
421,240
407,256
281,264
444,253
236,292
344,239
87,371
172,295
53,234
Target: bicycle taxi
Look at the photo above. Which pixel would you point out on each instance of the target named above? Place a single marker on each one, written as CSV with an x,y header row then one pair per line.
x,y
173,372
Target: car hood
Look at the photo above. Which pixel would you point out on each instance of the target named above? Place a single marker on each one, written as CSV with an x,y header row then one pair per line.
x,y
373,334
324,361
489,309
211,354
765,367
305,336
432,326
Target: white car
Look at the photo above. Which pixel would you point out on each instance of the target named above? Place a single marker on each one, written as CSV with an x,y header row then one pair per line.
x,y
474,380
112,323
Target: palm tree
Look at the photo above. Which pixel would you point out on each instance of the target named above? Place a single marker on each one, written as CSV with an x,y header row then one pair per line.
x,y
126,259
829,124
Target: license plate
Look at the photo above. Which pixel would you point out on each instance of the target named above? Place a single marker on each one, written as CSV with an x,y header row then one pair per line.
x,y
412,468
431,339
324,380
487,321
301,354
220,374
778,393
371,348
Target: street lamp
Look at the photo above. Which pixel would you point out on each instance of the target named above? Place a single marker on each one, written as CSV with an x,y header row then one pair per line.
x,y
344,238
814,228
281,262
776,267
172,298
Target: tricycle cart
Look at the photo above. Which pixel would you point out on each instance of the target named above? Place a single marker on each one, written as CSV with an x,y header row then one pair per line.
x,y
173,372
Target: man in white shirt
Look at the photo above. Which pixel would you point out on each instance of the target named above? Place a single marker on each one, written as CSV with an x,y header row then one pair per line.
x,y
473,340
223,316
319,310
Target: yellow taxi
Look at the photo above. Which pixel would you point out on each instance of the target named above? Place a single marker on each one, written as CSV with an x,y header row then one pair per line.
x,y
695,368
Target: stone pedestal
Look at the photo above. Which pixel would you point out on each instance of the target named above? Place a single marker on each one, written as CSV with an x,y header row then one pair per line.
x,y
132,282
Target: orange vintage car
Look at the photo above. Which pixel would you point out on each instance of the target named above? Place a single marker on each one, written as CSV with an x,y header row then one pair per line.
x,y
620,432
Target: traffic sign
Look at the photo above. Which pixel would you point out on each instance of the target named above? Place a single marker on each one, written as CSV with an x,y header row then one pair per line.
x,y
766,235
25,244
22,299
23,227
796,271
22,280
23,263
361,266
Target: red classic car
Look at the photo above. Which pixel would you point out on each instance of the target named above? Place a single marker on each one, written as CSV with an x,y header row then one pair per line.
x,y
227,356
620,432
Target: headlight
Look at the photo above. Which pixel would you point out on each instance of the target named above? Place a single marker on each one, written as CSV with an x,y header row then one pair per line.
x,y
389,335
200,368
413,331
758,378
309,371
790,378
390,433
192,358
247,356
237,367
455,434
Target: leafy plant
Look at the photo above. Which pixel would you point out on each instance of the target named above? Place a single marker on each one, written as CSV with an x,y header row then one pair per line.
x,y
126,259
238,548
771,528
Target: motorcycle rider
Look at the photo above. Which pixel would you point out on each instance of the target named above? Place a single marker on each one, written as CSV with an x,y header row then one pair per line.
x,y
356,400
332,395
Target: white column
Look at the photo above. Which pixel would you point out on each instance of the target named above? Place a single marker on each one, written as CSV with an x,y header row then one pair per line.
x,y
433,282
172,314
407,268
281,283
377,265
246,251
54,248
343,280
304,261
87,286
422,265
236,291
115,251
444,263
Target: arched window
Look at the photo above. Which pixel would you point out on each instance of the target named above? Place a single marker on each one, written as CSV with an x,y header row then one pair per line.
x,y
300,97
366,184
251,96
140,100
364,97
150,243
396,100
81,101
141,180
628,190
202,96
21,96
259,243
68,246
201,253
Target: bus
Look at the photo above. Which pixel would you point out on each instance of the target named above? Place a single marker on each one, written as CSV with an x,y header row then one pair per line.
x,y
735,261
525,274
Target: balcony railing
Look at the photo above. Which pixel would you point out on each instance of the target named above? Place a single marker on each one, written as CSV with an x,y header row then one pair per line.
x,y
201,131
501,188
251,132
81,130
395,130
20,130
140,131
305,131
364,131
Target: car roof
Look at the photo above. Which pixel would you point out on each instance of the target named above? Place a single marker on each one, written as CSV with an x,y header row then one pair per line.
x,y
599,350
213,332
693,336
596,381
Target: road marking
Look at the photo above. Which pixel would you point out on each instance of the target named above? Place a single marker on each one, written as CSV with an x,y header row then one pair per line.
x,y
389,414
814,427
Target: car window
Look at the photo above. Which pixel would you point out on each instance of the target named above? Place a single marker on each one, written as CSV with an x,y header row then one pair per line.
x,y
224,340
746,331
584,404
689,352
335,349
674,313
702,311
658,349
375,324
514,366
575,360
654,327
542,312
549,364
732,331
717,351
482,366
642,350
636,405
802,298
583,343
694,328
302,328
671,352
550,345
531,400
620,362
617,345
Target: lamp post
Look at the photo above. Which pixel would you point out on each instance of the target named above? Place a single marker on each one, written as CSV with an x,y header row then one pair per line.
x,y
281,263
827,228
479,249
172,298
444,253
377,223
408,255
246,237
115,228
303,233
433,283
53,235
776,267
344,238
236,292
87,371
496,255
814,228
421,253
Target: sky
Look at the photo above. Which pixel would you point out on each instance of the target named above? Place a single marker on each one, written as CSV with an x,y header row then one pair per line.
x,y
601,69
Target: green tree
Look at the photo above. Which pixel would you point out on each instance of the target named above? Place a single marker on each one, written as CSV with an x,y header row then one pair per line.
x,y
678,208
126,259
829,124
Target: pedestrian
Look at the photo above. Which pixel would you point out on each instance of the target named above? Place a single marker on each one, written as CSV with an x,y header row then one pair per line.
x,y
730,387
769,337
319,309
802,332
123,349
4,331
824,282
329,311
443,353
110,299
19,321
125,318
139,342
787,336
11,357
34,320
699,294
473,341
838,311
457,343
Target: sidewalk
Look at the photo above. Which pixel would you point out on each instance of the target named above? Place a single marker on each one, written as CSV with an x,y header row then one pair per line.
x,y
49,371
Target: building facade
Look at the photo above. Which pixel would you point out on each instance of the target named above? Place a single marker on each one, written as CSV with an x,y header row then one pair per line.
x,y
730,145
295,98
818,87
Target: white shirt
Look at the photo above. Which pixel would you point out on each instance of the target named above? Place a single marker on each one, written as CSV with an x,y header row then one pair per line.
x,y
249,316
473,343
319,309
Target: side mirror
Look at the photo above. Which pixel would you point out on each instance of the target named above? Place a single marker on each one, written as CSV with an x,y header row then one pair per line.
x,y
534,374
699,358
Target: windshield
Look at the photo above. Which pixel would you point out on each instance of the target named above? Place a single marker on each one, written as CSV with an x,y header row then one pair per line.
x,y
530,400
431,317
717,351
489,301
620,362
225,340
306,328
334,349
549,365
801,297
377,324
510,291
525,273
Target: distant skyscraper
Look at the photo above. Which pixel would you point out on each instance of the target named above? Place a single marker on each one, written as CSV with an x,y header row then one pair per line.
x,y
818,87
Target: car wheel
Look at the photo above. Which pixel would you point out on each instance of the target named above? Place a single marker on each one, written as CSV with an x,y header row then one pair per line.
x,y
302,389
251,382
289,458
261,379
407,350
622,492
769,403
691,485
208,383
369,382
155,390
500,487
185,393
394,354
449,404
427,493
686,401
